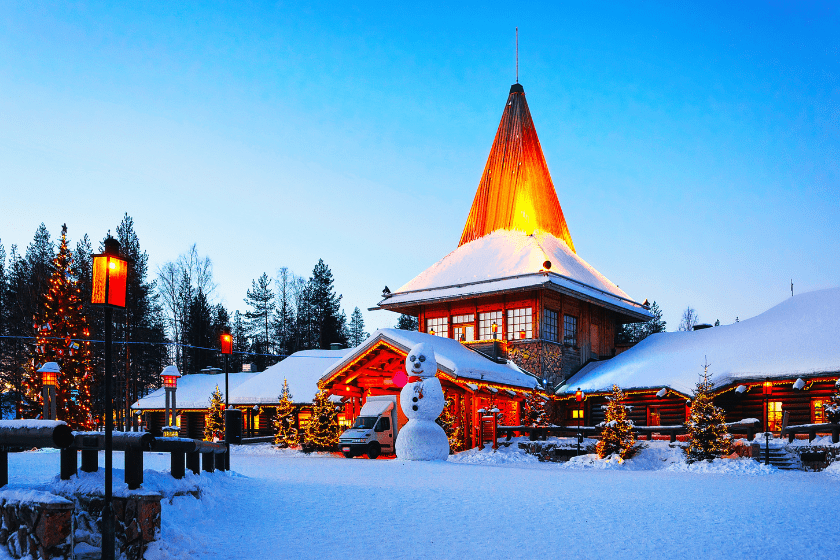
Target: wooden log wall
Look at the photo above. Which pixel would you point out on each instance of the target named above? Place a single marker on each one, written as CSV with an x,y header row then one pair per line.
x,y
671,408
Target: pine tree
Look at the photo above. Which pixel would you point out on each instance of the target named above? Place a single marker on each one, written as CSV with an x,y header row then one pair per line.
x,y
357,328
62,336
617,435
534,409
832,408
322,431
707,432
328,326
636,332
259,318
286,433
214,427
407,322
284,319
448,421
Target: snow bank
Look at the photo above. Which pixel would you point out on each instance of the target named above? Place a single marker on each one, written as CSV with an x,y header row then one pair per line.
x,y
489,456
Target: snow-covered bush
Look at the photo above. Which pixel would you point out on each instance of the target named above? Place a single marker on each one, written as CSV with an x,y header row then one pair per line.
x,y
832,408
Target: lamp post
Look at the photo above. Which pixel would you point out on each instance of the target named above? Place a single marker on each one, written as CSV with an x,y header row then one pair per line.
x,y
170,375
579,400
108,290
49,379
227,349
767,390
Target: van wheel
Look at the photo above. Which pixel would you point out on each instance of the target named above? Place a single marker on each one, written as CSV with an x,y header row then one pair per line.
x,y
373,450
348,454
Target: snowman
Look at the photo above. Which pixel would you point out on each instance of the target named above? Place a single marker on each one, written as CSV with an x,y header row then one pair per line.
x,y
422,401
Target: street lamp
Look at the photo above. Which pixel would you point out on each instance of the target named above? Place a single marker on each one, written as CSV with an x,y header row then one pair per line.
x,y
49,379
495,328
226,341
110,272
170,375
579,400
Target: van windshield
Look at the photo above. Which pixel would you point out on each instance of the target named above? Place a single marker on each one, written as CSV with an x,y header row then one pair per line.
x,y
365,422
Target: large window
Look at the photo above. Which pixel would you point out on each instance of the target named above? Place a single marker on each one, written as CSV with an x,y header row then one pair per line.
x,y
570,330
519,324
774,416
438,326
485,325
818,411
549,326
463,327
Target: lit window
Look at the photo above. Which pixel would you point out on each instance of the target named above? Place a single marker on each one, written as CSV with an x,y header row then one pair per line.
x,y
549,327
438,326
485,324
519,325
463,327
570,329
818,408
577,414
654,418
774,416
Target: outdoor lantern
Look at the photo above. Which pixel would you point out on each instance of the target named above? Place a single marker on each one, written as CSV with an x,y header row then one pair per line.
x,y
49,374
432,332
521,334
227,343
768,387
579,395
495,328
170,375
109,276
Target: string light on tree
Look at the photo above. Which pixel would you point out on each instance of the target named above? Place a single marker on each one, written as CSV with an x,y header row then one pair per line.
x,y
285,427
617,437
709,438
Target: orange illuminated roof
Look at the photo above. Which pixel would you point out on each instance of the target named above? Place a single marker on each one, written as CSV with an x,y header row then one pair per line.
x,y
516,191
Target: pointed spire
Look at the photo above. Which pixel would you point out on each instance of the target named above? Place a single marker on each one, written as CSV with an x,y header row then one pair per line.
x,y
515,191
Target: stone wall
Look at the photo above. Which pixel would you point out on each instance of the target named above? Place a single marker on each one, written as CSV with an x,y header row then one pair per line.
x,y
35,524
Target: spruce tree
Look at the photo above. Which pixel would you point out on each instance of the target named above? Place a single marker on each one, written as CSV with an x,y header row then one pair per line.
x,y
62,336
260,298
357,328
285,426
534,409
328,326
709,438
832,408
407,322
322,431
617,435
214,426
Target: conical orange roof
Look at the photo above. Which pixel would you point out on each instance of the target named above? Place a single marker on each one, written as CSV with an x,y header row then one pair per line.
x,y
516,192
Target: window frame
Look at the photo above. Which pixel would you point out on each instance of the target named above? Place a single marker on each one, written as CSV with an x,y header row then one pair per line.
x,y
573,321
517,318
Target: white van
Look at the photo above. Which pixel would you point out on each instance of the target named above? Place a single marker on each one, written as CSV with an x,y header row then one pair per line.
x,y
375,430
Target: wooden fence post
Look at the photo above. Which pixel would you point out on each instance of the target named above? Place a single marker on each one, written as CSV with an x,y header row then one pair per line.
x,y
176,466
193,461
207,461
90,460
69,462
133,467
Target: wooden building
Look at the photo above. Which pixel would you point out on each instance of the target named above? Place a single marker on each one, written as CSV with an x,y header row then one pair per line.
x,y
785,360
515,287
471,382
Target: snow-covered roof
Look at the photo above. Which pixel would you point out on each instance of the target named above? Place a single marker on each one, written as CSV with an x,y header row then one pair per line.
x,y
452,356
302,370
194,390
505,260
797,337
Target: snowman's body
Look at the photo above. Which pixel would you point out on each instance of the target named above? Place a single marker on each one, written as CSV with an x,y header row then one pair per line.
x,y
422,401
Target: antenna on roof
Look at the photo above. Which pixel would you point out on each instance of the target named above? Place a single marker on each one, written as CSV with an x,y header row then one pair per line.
x,y
517,55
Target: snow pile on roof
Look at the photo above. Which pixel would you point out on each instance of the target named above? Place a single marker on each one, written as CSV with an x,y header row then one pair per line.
x,y
302,370
511,259
798,337
194,390
451,355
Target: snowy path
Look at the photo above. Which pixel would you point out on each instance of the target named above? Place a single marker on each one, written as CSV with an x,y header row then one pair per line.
x,y
323,507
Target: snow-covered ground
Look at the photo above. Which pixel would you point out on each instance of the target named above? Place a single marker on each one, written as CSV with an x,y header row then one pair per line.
x,y
481,504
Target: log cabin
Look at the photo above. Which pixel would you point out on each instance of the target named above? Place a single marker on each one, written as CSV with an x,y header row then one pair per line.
x,y
786,359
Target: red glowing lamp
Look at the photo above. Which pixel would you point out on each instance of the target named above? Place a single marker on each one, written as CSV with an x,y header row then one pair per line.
x,y
170,375
109,276
768,387
49,374
227,342
579,395
521,334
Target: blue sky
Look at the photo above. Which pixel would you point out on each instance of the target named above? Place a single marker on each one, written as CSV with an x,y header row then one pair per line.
x,y
694,148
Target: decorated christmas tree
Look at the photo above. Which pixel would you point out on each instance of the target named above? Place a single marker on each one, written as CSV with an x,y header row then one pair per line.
x,y
448,422
61,335
534,409
286,433
322,431
832,407
617,435
214,427
707,432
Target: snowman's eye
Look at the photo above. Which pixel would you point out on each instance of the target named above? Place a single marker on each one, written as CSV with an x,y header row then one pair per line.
x,y
422,358
411,358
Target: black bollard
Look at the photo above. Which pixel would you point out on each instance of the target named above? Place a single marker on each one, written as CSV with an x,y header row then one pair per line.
x,y
133,467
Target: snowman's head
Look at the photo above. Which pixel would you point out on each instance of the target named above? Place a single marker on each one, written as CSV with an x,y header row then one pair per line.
x,y
420,361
